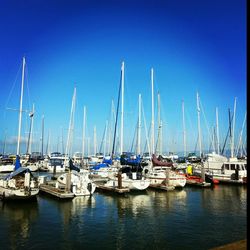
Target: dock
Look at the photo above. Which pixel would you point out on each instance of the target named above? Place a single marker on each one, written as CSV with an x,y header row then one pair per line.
x,y
161,187
198,184
239,245
113,189
60,193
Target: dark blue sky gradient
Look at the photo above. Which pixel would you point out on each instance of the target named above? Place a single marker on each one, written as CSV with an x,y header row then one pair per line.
x,y
192,46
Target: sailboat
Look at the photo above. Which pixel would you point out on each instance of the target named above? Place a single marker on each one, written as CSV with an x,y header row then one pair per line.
x,y
19,184
81,184
6,165
130,178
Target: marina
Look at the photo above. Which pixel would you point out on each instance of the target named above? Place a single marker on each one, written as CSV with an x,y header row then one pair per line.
x,y
123,125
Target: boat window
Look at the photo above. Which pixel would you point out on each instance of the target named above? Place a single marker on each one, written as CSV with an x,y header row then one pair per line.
x,y
232,166
227,166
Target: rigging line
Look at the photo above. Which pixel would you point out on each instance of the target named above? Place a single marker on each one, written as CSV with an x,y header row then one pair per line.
x,y
102,141
13,85
117,110
146,130
228,133
27,86
135,135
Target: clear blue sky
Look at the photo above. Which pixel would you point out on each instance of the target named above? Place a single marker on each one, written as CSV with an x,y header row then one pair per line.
x,y
192,46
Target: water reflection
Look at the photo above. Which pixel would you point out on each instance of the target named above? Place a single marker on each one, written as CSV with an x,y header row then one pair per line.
x,y
18,218
158,219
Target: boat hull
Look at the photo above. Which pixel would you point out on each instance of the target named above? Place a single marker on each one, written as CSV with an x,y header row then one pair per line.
x,y
18,194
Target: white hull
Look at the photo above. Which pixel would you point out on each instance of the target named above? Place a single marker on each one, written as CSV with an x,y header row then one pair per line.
x,y
7,168
59,169
167,177
32,167
229,178
132,184
81,185
18,194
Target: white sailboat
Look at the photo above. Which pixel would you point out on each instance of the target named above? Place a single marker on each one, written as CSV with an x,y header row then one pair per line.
x,y
19,184
162,175
81,185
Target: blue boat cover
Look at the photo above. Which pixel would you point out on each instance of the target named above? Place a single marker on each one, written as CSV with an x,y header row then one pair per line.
x,y
16,172
17,163
98,166
108,161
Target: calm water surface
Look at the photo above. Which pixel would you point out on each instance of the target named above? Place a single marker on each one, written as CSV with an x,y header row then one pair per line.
x,y
191,218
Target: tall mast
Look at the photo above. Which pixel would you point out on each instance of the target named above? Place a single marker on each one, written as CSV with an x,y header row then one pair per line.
x,y
105,139
139,128
217,131
48,145
31,115
159,141
20,111
42,135
199,127
83,131
152,121
232,138
184,129
95,140
240,137
71,124
122,108
116,117
112,114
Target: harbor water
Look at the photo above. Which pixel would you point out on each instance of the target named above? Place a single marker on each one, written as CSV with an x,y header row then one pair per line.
x,y
189,218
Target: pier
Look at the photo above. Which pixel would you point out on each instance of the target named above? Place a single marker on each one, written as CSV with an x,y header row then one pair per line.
x,y
60,193
113,189
238,245
161,187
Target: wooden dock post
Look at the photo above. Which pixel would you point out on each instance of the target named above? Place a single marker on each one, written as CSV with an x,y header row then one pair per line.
x,y
68,182
167,178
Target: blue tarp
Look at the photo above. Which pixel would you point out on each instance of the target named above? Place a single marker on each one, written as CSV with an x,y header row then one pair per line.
x,y
98,166
17,163
17,172
108,161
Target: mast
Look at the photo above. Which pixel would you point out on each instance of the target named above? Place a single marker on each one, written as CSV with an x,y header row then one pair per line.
x,y
42,134
105,139
31,115
122,109
71,124
159,141
199,127
152,121
116,118
48,145
20,111
240,137
217,131
232,138
83,131
184,129
139,128
94,140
